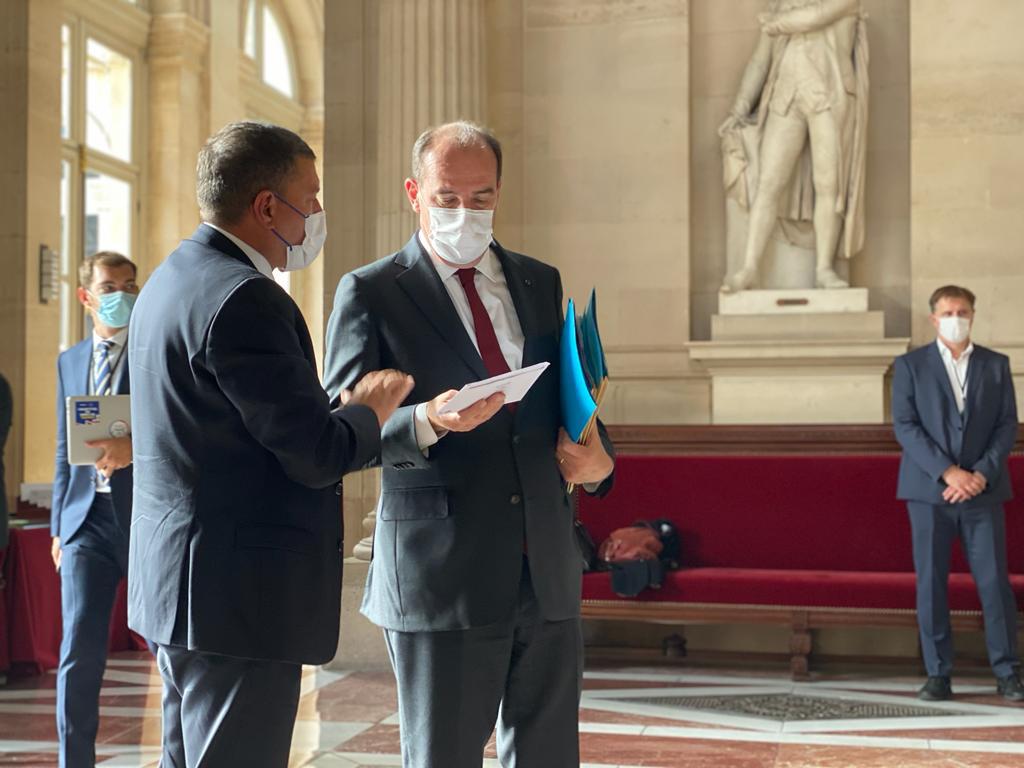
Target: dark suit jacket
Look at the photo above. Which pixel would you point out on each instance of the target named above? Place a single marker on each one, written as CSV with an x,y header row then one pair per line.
x,y
934,435
74,487
448,544
236,540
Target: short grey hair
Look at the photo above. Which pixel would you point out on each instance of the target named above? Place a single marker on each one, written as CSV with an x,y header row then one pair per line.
x,y
463,133
241,160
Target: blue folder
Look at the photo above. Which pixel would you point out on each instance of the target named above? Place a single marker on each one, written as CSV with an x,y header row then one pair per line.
x,y
583,368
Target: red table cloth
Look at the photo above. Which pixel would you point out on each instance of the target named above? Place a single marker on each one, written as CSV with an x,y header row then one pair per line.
x,y
30,636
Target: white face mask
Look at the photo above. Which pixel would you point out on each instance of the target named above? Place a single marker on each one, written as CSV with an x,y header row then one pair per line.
x,y
954,329
460,236
303,254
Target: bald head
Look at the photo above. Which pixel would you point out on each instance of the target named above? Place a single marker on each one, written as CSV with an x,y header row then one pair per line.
x,y
462,134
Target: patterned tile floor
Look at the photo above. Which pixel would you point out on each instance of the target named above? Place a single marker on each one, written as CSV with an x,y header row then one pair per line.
x,y
630,717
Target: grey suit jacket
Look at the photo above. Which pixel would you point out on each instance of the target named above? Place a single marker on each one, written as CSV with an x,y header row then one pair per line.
x,y
934,435
448,545
236,533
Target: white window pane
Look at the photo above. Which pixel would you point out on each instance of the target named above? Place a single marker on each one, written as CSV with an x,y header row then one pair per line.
x,y
250,29
65,81
108,214
277,68
108,101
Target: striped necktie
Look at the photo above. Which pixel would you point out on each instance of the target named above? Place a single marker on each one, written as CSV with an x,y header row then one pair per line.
x,y
101,379
101,385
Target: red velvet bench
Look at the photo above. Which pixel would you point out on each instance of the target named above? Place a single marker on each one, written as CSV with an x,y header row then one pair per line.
x,y
807,533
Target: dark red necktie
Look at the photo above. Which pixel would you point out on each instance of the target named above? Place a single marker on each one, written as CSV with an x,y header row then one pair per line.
x,y
486,339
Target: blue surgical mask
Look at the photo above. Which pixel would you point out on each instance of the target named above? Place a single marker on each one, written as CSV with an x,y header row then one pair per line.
x,y
115,308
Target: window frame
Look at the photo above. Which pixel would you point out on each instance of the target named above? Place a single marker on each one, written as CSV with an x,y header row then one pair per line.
x,y
122,27
278,12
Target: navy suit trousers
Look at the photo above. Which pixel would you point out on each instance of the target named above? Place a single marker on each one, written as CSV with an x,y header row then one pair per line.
x,y
982,532
93,562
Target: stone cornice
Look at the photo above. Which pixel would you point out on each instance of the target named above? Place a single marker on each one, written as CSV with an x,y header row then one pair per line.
x,y
178,38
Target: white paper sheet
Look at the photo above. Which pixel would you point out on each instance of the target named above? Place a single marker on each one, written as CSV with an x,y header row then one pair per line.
x,y
514,384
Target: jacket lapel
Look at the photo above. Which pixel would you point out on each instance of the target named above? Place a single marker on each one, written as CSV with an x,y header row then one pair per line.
x,y
939,369
521,289
423,286
81,367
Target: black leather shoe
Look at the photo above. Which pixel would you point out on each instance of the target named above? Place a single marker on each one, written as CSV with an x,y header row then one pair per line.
x,y
938,689
1010,687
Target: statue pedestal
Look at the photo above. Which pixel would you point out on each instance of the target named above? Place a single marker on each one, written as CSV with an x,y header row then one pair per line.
x,y
798,356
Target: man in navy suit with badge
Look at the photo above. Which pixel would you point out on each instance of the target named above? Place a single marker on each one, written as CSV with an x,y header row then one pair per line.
x,y
955,414
92,505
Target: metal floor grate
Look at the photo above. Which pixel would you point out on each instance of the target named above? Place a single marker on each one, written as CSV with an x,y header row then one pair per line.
x,y
790,707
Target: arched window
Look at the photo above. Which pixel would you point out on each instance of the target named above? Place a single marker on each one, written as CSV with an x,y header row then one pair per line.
x,y
265,41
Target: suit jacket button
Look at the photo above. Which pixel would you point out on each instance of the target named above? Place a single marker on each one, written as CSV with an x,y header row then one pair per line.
x,y
515,440
515,498
337,489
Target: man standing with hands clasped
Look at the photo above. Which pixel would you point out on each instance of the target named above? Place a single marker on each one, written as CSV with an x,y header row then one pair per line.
x,y
955,414
475,575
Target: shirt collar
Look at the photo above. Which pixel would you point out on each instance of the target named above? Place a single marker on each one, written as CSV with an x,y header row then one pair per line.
x,y
488,266
117,340
947,355
258,259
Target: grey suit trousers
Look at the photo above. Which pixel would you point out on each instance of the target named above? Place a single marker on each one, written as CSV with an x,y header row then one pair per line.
x,y
222,711
524,673
982,532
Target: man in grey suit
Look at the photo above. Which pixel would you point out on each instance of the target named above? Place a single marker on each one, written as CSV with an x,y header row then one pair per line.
x,y
236,544
955,414
475,575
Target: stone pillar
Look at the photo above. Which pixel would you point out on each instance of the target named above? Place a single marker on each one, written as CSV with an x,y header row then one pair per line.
x,y
430,71
178,125
966,161
30,217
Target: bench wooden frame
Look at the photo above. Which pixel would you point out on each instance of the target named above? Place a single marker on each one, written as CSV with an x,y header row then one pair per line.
x,y
790,440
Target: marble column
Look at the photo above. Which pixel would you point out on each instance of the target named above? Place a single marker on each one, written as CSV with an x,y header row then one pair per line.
x,y
30,58
430,70
178,124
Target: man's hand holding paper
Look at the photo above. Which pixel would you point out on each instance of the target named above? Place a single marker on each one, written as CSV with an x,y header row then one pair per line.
x,y
466,420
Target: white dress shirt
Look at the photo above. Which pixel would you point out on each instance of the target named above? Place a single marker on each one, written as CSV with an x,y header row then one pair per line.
x,y
258,259
116,357
492,286
956,369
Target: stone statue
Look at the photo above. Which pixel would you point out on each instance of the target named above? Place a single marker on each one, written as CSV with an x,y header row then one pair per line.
x,y
794,143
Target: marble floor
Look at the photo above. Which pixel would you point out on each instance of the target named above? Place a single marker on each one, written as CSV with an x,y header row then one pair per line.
x,y
630,717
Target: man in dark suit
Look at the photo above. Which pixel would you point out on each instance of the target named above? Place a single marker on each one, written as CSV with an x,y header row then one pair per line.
x,y
955,414
235,563
475,575
92,505
91,508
